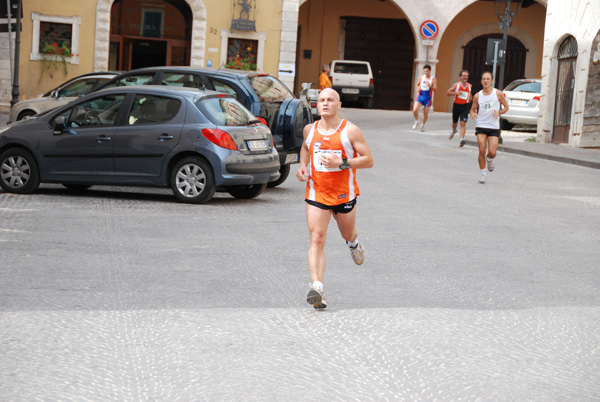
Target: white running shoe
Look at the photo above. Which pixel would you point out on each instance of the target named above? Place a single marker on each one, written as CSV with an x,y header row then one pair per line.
x,y
358,254
322,305
490,165
422,128
482,178
452,134
414,127
314,295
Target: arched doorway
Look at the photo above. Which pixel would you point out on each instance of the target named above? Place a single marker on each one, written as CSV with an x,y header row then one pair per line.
x,y
565,83
389,46
145,34
475,54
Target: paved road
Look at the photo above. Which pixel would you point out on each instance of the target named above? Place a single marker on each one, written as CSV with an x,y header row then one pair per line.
x,y
469,292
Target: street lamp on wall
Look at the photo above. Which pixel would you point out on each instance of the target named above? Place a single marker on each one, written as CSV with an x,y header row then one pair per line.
x,y
506,16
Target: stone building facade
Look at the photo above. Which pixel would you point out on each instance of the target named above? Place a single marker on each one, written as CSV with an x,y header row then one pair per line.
x,y
570,102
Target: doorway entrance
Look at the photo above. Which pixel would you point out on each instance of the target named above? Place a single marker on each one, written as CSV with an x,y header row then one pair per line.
x,y
565,83
475,55
146,34
389,46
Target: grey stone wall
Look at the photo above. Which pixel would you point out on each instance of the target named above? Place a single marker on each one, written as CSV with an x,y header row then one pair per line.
x,y
591,115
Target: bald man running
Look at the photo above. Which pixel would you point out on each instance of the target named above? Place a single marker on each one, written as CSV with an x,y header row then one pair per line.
x,y
333,149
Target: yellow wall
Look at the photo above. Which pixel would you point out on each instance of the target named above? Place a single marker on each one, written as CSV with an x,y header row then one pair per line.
x,y
268,19
530,19
319,21
219,14
30,84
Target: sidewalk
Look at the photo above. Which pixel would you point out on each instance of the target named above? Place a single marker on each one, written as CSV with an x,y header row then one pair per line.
x,y
514,142
554,152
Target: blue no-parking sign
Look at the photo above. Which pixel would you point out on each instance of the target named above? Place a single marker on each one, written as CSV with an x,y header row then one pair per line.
x,y
429,29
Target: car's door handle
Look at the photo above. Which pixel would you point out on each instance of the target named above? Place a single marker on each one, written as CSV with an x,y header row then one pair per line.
x,y
102,138
164,137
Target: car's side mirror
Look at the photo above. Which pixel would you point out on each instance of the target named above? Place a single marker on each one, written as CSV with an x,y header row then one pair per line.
x,y
54,93
59,125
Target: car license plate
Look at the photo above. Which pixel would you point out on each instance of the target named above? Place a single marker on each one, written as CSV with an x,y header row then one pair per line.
x,y
258,145
350,91
291,158
520,102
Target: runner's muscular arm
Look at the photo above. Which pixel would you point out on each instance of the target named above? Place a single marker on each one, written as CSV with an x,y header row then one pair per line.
x,y
475,106
503,102
302,172
452,91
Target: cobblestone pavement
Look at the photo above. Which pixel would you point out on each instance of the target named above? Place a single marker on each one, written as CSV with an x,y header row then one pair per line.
x,y
468,293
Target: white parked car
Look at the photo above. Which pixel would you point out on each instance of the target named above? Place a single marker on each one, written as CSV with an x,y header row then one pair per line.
x,y
523,97
353,80
59,96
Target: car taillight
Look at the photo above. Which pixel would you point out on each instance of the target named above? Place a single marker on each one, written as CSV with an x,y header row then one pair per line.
x,y
313,103
220,138
537,98
371,82
263,121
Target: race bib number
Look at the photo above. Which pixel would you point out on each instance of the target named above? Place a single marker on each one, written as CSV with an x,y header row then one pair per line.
x,y
317,159
425,86
463,95
486,105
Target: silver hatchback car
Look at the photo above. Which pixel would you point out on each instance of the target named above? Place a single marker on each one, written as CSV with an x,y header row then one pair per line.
x,y
59,96
523,97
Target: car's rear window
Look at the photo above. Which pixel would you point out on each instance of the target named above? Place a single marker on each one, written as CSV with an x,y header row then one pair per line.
x,y
225,111
525,86
269,89
351,68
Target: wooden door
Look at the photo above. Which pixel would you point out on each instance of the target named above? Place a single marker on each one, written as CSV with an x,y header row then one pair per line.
x,y
565,84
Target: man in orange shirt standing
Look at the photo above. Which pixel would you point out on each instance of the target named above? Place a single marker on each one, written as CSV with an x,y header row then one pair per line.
x,y
333,149
324,81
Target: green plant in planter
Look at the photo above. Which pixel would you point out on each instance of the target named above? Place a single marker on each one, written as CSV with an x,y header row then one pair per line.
x,y
238,63
55,56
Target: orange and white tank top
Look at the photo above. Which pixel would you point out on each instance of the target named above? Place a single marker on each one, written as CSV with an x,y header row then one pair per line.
x,y
463,94
330,186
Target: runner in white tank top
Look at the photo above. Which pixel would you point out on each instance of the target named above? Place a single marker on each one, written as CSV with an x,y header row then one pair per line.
x,y
488,105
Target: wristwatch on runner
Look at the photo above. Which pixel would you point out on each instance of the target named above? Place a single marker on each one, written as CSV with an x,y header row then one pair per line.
x,y
345,164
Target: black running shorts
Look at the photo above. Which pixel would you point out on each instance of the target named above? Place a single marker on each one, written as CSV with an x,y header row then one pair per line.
x,y
337,209
460,112
490,132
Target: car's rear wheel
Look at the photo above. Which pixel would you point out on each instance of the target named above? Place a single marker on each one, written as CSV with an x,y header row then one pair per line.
x,y
25,114
192,180
505,125
19,172
247,192
284,172
76,187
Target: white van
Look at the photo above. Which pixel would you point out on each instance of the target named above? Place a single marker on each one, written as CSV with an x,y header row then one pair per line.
x,y
353,80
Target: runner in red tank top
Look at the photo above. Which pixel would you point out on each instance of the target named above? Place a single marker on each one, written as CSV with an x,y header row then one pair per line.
x,y
333,149
461,105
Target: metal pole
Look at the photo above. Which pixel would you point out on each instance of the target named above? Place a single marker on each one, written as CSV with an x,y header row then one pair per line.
x,y
506,23
495,60
10,53
15,86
